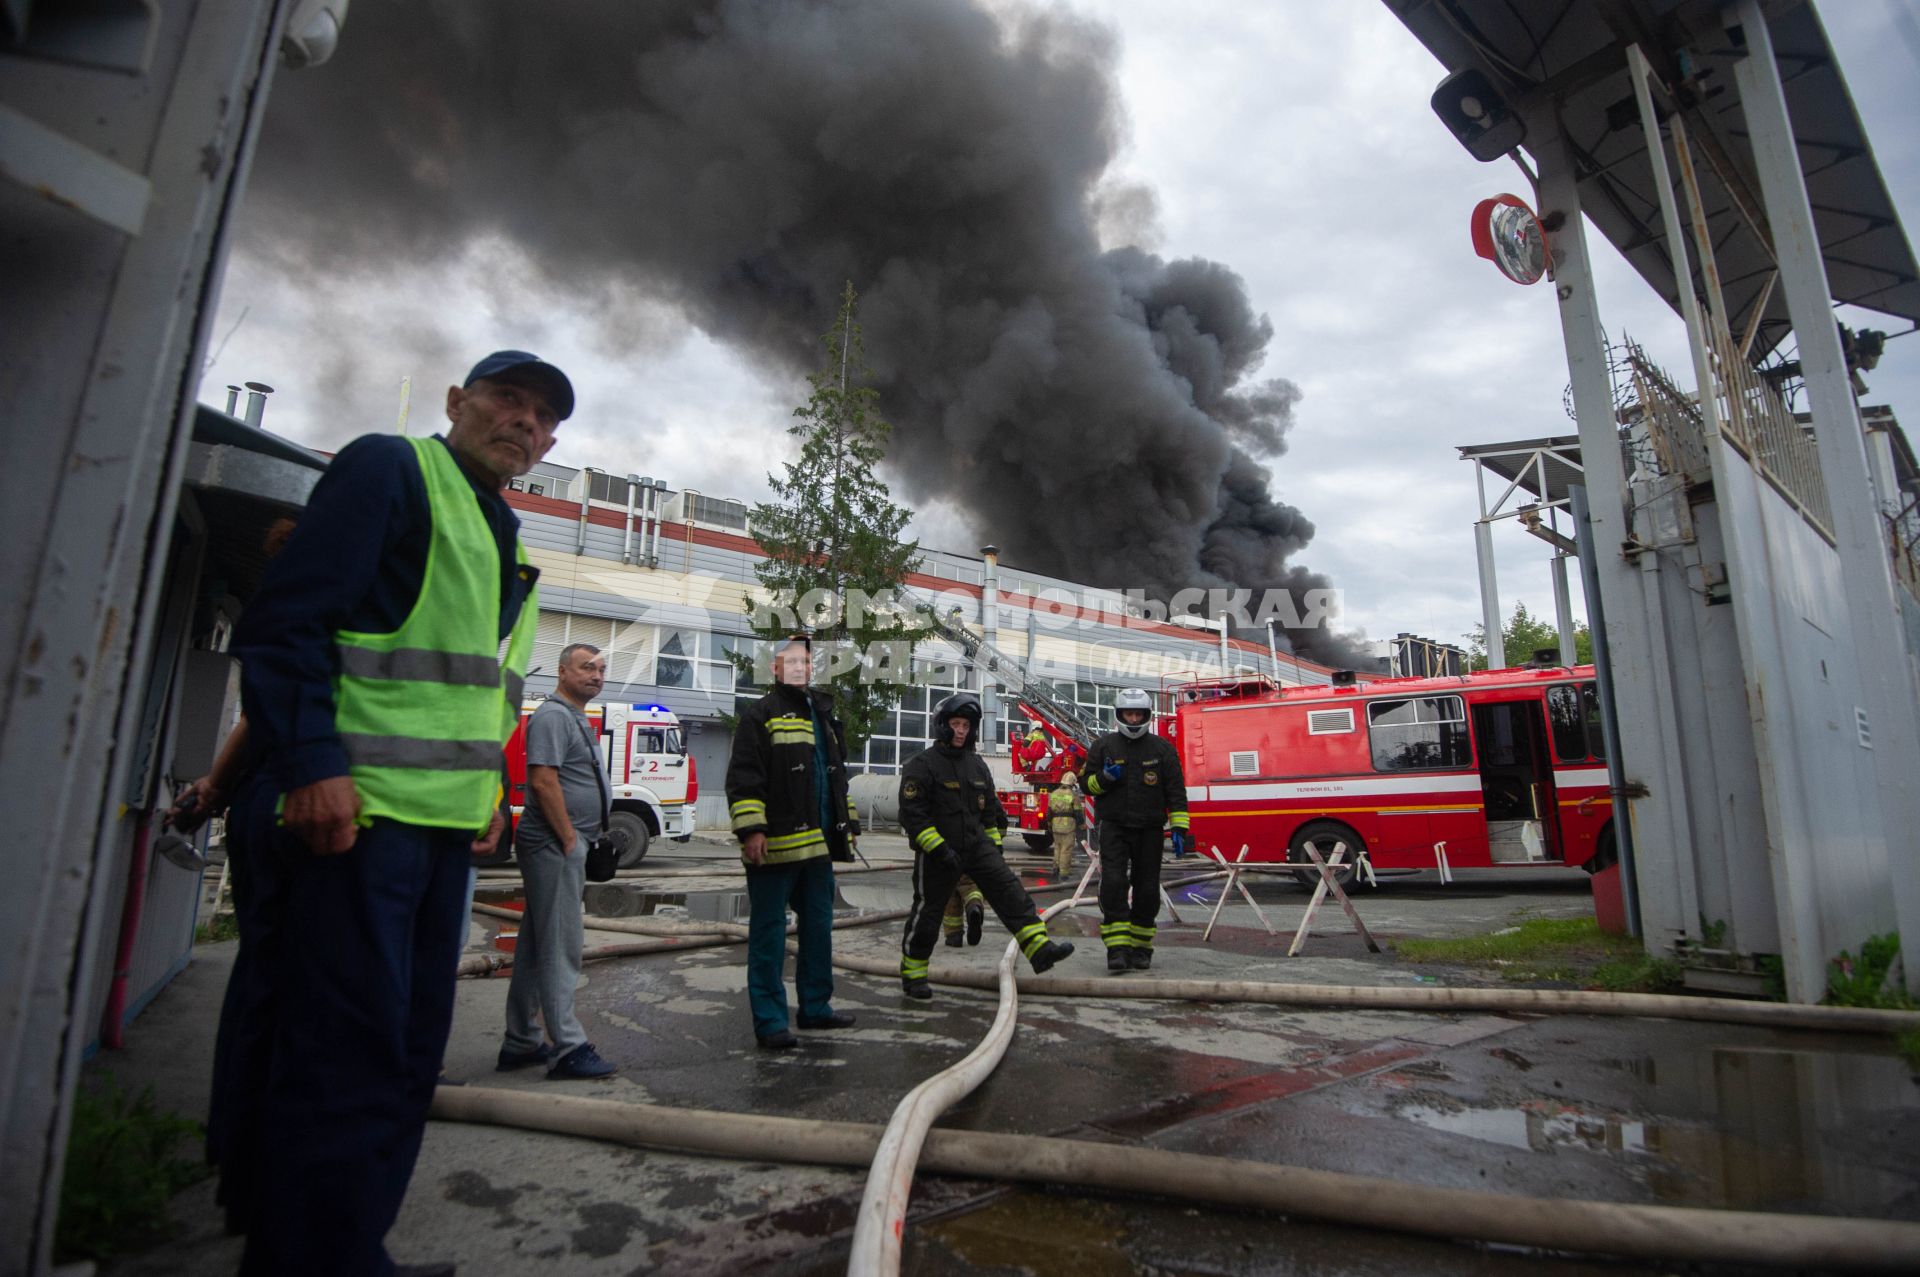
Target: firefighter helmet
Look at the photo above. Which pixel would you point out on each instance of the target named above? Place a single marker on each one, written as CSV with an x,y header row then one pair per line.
x,y
959,705
1133,698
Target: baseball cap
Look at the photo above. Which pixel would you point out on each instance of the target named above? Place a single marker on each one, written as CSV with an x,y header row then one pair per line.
x,y
551,380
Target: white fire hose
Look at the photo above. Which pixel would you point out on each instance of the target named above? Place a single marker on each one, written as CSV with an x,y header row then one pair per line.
x,y
1594,1227
883,1209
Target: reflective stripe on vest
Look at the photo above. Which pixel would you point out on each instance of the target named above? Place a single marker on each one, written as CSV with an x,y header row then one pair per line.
x,y
424,710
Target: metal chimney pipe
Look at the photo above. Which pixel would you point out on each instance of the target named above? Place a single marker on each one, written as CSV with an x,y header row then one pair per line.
x,y
586,497
649,521
659,509
626,535
233,400
989,630
257,393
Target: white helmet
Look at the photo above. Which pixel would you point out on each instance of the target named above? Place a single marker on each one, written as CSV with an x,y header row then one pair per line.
x,y
1132,698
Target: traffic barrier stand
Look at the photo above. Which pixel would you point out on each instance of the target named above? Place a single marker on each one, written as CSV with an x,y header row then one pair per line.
x,y
1232,870
1093,871
1327,883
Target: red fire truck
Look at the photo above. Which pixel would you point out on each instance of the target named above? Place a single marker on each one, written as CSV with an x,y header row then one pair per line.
x,y
1041,763
654,780
1501,767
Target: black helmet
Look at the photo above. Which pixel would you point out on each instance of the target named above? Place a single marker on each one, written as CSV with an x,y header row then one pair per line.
x,y
959,705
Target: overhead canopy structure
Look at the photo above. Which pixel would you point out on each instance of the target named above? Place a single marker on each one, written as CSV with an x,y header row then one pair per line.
x,y
1569,56
1542,468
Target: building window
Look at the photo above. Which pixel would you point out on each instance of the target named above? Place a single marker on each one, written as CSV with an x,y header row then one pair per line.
x,y
606,487
1420,734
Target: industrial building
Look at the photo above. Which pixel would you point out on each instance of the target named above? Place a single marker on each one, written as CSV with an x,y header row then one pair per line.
x,y
662,581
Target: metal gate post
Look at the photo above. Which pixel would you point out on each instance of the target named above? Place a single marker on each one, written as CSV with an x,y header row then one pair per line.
x,y
1890,720
1490,617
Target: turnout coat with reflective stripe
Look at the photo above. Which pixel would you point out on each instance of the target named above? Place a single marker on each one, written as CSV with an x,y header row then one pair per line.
x,y
772,778
947,796
1150,791
424,710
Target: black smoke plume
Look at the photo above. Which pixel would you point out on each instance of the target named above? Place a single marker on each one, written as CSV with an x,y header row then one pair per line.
x,y
1092,411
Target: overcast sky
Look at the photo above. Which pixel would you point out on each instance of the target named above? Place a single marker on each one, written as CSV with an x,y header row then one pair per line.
x,y
1291,141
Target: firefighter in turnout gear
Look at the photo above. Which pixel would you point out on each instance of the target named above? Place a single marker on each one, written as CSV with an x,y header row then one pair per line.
x,y
787,796
951,813
1135,778
1063,822
966,909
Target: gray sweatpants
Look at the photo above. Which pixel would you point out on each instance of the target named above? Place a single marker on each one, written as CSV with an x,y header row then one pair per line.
x,y
546,958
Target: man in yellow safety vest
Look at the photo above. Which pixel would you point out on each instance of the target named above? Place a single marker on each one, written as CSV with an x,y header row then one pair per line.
x,y
377,704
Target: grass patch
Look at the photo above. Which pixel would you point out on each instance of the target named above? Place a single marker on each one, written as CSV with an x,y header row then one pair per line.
x,y
1908,1044
222,926
1871,980
1563,950
124,1162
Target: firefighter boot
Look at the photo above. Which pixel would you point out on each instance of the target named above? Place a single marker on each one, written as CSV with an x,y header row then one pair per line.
x,y
913,978
954,940
976,919
1049,953
1117,960
1139,958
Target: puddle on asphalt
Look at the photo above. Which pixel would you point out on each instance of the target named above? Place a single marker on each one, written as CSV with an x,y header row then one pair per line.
x,y
1749,1129
622,900
1032,1232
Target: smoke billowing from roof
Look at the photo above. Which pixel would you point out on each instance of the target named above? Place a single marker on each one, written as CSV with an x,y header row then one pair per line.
x,y
1094,412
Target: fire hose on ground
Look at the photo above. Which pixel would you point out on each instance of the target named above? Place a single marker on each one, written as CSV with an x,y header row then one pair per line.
x,y
891,1155
1600,1228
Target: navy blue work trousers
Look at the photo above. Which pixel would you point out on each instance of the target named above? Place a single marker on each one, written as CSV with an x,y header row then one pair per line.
x,y
806,885
331,1037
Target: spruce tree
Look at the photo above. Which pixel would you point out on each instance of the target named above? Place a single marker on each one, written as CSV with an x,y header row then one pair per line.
x,y
832,533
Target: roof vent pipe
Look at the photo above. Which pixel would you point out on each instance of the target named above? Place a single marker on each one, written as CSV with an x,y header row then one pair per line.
x,y
257,393
626,536
233,400
586,502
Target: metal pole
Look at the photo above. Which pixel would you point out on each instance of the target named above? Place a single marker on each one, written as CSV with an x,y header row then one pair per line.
x,y
1886,685
1609,720
1273,650
1563,610
1703,374
1223,646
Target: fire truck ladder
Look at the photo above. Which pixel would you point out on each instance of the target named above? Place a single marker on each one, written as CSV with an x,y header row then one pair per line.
x,y
1021,683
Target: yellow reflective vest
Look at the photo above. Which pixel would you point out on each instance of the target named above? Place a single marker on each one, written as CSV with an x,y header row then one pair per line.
x,y
424,711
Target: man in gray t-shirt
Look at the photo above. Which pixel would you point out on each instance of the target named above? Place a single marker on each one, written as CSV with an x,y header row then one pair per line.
x,y
567,800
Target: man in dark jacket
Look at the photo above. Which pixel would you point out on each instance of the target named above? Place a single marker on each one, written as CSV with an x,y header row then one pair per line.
x,y
951,812
787,795
1134,777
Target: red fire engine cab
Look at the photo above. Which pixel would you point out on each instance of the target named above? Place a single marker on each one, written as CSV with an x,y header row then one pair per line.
x,y
1499,767
655,782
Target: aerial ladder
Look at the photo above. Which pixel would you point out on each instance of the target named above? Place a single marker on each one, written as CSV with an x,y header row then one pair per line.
x,y
1070,730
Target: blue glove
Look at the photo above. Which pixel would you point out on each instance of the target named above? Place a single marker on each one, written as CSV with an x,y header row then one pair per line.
x,y
1180,848
1113,771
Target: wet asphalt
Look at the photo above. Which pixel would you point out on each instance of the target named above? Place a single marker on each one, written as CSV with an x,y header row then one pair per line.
x,y
1580,1107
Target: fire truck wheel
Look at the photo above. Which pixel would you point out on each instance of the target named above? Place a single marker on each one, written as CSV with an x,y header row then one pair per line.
x,y
1323,835
630,836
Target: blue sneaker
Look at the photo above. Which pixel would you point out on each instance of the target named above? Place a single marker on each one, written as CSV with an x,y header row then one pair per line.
x,y
511,1060
581,1062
